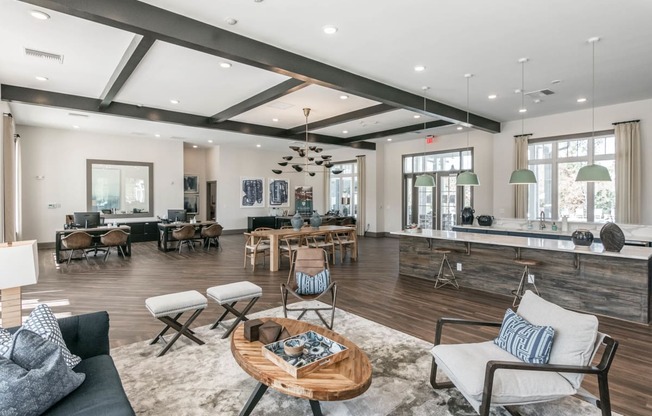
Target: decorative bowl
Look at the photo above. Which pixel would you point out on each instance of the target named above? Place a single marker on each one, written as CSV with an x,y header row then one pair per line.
x,y
294,347
582,238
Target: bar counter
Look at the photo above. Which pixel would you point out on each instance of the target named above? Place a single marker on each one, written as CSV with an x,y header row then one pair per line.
x,y
585,279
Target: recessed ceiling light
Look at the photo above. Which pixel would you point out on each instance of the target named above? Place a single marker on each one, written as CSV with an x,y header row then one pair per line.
x,y
344,97
416,116
275,120
37,14
194,146
75,126
174,101
231,21
258,145
389,140
555,81
522,110
581,100
40,78
210,141
419,68
345,132
225,65
157,135
329,29
492,96
460,127
258,1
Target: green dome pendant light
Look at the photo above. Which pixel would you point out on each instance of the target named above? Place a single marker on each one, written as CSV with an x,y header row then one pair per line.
x,y
593,172
522,176
467,178
424,180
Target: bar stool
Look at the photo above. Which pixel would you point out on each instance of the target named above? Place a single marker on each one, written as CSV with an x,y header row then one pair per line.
x,y
518,293
441,279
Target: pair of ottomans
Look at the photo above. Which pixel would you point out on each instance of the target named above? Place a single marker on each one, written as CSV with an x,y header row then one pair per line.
x,y
169,308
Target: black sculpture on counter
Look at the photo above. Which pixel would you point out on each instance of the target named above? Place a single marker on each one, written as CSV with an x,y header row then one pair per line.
x,y
467,215
612,237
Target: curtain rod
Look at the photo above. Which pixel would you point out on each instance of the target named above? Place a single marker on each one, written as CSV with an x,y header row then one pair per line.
x,y
523,135
623,122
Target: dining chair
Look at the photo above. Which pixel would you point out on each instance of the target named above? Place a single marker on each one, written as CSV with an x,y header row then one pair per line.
x,y
254,247
346,240
323,240
290,243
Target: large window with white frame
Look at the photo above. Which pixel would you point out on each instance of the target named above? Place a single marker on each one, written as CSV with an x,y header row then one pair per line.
x,y
556,161
343,198
438,207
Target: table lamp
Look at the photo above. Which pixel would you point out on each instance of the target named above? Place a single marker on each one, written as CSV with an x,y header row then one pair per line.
x,y
18,267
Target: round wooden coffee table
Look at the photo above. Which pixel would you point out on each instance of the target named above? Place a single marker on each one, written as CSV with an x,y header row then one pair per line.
x,y
342,380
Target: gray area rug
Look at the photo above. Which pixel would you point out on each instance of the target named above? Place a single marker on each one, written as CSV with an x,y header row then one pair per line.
x,y
205,380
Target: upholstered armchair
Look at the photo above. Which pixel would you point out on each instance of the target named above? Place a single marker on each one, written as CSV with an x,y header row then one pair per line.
x,y
487,375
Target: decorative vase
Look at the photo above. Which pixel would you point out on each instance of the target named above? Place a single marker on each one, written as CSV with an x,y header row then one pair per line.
x,y
582,238
315,220
467,215
612,237
297,222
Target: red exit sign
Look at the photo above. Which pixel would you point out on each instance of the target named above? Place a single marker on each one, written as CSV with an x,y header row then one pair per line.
x,y
430,139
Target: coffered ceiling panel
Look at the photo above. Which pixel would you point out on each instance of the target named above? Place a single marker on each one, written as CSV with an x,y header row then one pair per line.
x,y
88,61
380,122
288,110
193,78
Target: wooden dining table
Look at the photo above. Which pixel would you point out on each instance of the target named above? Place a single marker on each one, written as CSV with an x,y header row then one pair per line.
x,y
275,236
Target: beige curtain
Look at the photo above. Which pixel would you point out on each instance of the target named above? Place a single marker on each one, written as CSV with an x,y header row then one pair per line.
x,y
361,220
8,179
628,172
520,191
327,190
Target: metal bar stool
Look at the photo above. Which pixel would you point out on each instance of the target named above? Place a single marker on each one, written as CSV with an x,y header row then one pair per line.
x,y
518,293
442,279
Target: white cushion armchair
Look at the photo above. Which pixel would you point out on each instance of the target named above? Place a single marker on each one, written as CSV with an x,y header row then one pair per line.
x,y
489,376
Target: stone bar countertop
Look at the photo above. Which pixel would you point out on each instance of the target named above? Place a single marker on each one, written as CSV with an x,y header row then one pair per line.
x,y
631,252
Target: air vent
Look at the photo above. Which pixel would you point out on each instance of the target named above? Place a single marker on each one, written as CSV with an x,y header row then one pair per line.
x,y
280,105
539,93
44,55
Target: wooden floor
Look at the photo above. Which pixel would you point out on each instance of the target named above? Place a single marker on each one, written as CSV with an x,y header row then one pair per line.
x,y
370,288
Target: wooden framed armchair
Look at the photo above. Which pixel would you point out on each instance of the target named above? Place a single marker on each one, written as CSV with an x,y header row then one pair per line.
x,y
487,375
310,261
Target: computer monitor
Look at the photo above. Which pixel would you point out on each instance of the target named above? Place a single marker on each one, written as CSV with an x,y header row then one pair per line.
x,y
175,215
86,219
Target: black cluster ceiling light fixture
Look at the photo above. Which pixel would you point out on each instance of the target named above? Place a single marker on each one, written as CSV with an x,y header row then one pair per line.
x,y
310,155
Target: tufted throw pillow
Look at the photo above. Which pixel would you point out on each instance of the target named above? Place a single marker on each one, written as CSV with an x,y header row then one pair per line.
x,y
5,342
523,340
35,376
43,322
312,285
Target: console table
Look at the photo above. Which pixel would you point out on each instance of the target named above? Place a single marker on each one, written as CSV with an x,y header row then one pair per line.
x,y
95,232
165,232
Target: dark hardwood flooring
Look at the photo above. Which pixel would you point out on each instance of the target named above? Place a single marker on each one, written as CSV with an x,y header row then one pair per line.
x,y
370,287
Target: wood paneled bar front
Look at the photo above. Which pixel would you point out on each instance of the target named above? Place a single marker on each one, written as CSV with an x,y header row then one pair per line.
x,y
590,280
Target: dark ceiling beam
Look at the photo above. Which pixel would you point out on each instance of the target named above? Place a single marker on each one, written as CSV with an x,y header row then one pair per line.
x,y
344,118
130,60
396,131
13,93
286,87
144,19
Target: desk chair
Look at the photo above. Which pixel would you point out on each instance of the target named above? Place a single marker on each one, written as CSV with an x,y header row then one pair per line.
x,y
114,238
211,235
77,240
185,235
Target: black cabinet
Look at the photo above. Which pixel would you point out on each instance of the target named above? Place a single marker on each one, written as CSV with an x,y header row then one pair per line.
x,y
142,231
255,222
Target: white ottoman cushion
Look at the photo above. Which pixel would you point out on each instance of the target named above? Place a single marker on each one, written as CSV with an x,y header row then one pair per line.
x,y
234,292
174,303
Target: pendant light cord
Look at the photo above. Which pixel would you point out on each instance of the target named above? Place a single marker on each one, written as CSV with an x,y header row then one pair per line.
x,y
593,92
468,109
523,97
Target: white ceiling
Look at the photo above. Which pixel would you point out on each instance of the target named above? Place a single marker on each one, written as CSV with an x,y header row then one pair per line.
x,y
378,39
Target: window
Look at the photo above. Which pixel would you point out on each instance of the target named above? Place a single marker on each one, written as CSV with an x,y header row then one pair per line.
x,y
343,197
436,208
556,161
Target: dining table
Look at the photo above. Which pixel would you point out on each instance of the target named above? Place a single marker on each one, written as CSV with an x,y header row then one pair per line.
x,y
275,237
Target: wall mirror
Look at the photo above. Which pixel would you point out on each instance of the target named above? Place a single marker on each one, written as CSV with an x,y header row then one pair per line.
x,y
120,189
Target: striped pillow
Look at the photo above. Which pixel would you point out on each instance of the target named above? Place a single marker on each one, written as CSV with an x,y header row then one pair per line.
x,y
312,285
523,340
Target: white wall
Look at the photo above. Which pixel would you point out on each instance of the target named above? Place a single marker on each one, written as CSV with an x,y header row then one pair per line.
x,y
59,156
569,123
391,204
194,163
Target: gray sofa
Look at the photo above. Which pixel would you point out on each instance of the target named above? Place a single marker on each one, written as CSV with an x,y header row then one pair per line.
x,y
101,393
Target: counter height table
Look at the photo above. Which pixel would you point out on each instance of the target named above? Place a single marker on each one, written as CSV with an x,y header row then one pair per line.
x,y
615,284
274,237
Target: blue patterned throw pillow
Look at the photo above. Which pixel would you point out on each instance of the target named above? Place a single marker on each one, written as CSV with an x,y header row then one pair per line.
x,y
523,340
312,285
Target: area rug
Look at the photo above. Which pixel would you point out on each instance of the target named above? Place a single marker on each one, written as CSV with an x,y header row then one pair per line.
x,y
199,380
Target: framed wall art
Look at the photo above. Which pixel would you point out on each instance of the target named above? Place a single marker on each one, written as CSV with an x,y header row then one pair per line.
x,y
279,193
252,192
